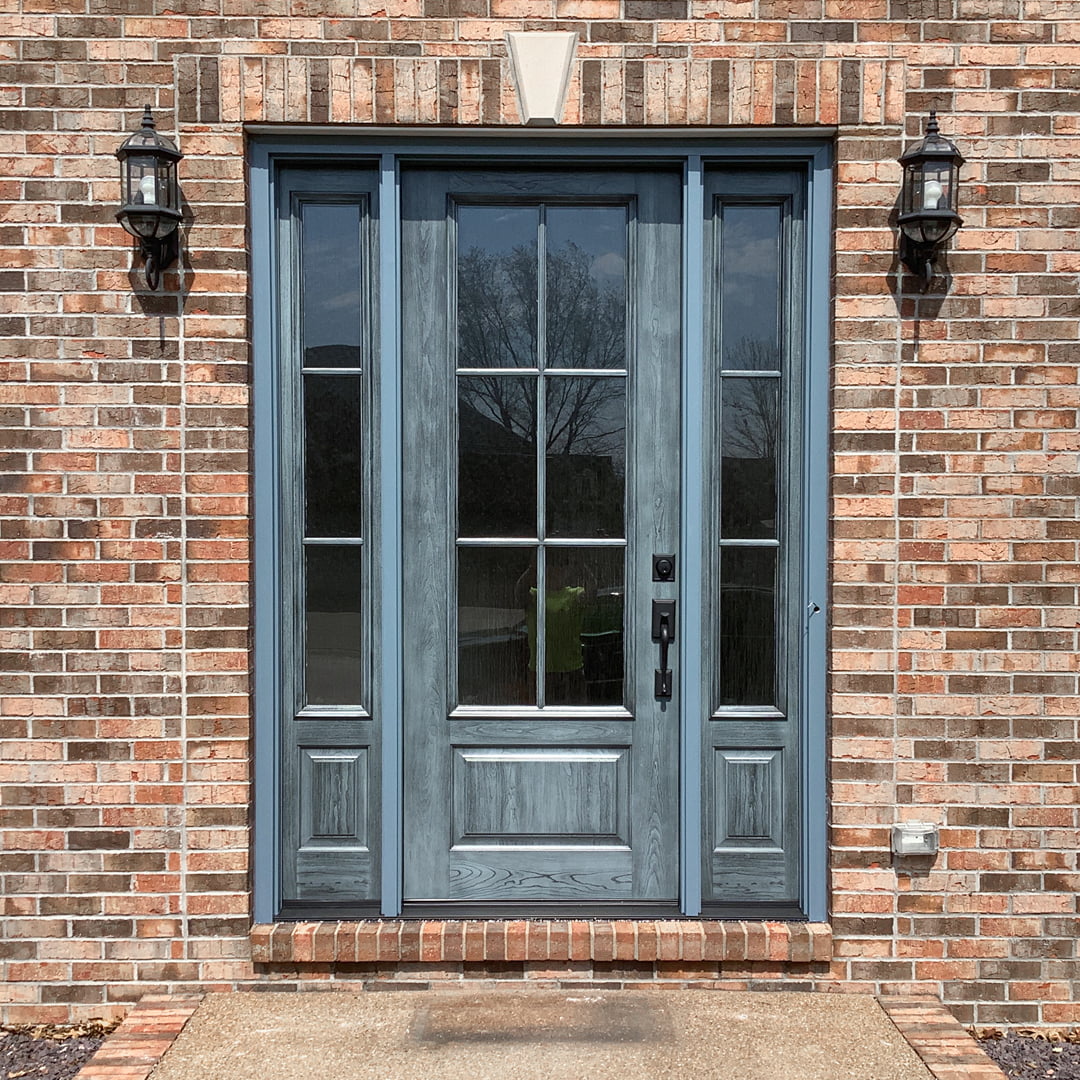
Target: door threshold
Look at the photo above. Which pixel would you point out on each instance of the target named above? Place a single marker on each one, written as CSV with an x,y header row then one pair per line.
x,y
539,909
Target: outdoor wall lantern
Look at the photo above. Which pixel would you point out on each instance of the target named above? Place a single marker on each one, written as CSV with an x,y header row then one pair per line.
x,y
150,196
928,200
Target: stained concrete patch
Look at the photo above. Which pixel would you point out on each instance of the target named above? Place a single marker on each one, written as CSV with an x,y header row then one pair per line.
x,y
540,1035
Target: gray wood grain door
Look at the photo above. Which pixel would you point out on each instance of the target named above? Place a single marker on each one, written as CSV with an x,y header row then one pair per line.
x,y
541,357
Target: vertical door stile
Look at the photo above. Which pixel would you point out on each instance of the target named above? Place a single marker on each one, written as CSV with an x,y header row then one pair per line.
x,y
387,536
692,624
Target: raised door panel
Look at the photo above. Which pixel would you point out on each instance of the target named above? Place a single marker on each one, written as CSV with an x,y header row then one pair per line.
x,y
562,797
334,859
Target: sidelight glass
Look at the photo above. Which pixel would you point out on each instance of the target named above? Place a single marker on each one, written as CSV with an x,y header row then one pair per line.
x,y
333,639
748,626
497,455
330,300
585,309
586,456
750,287
496,606
497,286
749,438
584,595
332,456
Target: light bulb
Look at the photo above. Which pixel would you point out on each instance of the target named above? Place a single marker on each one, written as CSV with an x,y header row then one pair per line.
x,y
931,195
148,189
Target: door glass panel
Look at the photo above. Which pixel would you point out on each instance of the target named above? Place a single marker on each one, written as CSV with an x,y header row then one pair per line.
x,y
333,641
496,606
750,287
748,448
497,285
504,594
497,455
583,626
330,284
332,473
586,286
748,626
586,456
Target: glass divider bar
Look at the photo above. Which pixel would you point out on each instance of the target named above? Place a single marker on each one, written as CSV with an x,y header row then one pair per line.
x,y
541,459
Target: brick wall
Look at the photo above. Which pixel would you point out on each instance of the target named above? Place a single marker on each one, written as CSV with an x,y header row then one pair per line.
x,y
124,529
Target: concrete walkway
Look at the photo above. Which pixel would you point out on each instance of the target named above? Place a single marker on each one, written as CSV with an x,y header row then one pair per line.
x,y
511,1034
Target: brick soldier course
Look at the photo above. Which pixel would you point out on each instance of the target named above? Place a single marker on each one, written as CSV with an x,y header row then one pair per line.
x,y
125,798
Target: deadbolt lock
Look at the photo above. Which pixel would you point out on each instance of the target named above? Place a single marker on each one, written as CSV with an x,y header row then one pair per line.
x,y
663,568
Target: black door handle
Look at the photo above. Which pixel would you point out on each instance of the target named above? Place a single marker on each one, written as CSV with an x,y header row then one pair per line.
x,y
663,631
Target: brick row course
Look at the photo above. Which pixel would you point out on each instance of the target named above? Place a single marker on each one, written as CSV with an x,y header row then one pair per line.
x,y
390,941
124,471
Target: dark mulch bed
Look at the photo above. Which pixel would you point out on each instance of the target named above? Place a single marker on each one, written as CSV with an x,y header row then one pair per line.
x,y
1032,1054
49,1051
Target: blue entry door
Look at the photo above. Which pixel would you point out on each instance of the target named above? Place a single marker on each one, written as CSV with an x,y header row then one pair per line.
x,y
541,352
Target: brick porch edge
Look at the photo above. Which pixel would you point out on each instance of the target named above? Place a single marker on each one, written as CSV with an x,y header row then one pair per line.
x,y
133,1050
138,1044
482,941
946,1049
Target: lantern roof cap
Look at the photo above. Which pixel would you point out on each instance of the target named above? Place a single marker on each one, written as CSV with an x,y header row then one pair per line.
x,y
933,145
147,141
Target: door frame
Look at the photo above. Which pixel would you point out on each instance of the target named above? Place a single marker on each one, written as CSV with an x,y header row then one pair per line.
x,y
271,147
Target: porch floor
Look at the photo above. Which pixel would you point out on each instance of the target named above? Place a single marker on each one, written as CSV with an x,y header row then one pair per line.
x,y
509,1034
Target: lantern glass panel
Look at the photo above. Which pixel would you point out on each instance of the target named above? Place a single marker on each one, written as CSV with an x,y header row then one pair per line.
x,y
166,189
143,223
934,230
936,187
139,175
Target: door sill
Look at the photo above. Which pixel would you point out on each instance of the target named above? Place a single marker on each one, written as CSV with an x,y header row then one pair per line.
x,y
452,947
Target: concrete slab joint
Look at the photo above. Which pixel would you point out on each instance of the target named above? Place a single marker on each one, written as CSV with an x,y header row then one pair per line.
x,y
540,63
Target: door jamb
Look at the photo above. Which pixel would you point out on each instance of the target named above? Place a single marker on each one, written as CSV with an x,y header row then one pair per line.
x,y
692,149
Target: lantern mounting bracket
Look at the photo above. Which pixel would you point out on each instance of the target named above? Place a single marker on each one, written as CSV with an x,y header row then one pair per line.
x,y
158,255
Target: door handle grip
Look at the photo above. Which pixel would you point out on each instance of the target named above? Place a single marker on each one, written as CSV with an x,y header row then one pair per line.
x,y
663,612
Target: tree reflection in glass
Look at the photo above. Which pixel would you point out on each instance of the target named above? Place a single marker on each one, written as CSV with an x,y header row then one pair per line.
x,y
497,455
748,452
497,286
586,452
586,287
581,252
